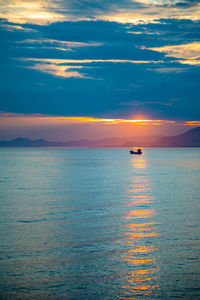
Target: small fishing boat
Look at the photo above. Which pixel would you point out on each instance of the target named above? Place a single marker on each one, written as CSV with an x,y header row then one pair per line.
x,y
139,151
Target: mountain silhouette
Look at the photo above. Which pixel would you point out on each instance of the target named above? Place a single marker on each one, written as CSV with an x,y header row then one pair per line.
x,y
190,138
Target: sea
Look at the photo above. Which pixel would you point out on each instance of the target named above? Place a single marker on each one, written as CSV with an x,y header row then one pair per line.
x,y
99,223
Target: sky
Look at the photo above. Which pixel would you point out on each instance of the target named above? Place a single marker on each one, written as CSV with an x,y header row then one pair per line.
x,y
93,68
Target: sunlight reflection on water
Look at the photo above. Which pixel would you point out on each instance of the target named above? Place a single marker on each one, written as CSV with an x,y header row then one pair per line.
x,y
142,278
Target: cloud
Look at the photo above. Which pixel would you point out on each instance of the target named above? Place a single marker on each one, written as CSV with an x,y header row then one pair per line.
x,y
58,44
63,68
84,119
127,11
188,53
9,27
142,103
180,4
34,12
60,71
88,61
135,12
48,80
144,32
169,70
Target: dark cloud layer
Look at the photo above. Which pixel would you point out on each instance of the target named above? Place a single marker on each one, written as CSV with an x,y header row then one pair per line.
x,y
131,78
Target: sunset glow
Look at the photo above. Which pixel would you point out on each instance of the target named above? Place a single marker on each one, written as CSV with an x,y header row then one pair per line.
x,y
79,120
56,127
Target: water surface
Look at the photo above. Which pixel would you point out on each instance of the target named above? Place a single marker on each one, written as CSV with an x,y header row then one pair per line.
x,y
99,224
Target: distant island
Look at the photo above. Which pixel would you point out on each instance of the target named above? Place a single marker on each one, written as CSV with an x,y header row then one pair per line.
x,y
190,138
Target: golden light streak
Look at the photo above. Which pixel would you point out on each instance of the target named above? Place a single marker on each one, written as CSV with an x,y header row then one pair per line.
x,y
86,61
192,123
188,53
190,62
49,119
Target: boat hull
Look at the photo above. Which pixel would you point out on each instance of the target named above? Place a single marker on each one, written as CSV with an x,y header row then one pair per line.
x,y
135,152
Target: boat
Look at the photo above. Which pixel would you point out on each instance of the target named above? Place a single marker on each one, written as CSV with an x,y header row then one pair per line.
x,y
139,151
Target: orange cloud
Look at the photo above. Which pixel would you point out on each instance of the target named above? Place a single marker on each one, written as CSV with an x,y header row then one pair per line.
x,y
84,120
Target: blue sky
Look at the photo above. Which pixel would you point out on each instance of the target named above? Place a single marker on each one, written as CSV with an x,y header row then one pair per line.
x,y
103,59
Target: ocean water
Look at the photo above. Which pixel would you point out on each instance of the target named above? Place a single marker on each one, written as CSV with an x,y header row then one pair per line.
x,y
99,224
